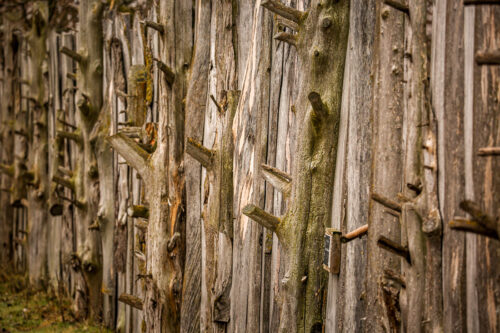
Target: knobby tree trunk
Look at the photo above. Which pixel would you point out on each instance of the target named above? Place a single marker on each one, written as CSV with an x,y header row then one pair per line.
x,y
321,42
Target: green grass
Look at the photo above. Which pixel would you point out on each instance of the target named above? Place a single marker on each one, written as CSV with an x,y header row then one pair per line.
x,y
25,310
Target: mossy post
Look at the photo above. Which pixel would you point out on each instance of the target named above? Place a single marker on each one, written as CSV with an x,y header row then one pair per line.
x,y
217,219
321,42
86,176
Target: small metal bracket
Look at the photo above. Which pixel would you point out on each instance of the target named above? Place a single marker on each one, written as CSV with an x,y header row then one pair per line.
x,y
332,254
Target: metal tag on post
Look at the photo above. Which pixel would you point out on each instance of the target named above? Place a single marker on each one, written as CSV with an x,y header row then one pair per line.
x,y
331,254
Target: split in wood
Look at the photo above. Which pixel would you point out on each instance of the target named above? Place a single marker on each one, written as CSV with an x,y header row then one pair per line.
x,y
355,234
417,188
399,5
84,106
131,151
172,242
278,179
488,57
320,111
74,136
141,225
156,26
68,183
138,211
282,10
131,300
398,278
262,217
472,226
481,2
489,151
72,54
386,202
169,73
220,108
286,37
200,153
394,247
56,209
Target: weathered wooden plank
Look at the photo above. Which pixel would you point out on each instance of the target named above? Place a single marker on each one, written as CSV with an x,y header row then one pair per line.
x,y
387,134
485,181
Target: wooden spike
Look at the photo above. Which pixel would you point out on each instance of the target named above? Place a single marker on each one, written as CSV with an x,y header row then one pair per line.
x,y
472,226
219,107
200,153
169,73
262,217
131,300
489,151
135,156
282,22
132,131
286,37
76,137
141,225
138,211
398,278
277,178
386,202
354,234
65,171
280,9
139,255
394,247
317,104
478,215
67,124
399,5
488,57
156,26
71,76
481,2
72,54
78,204
64,182
7,169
